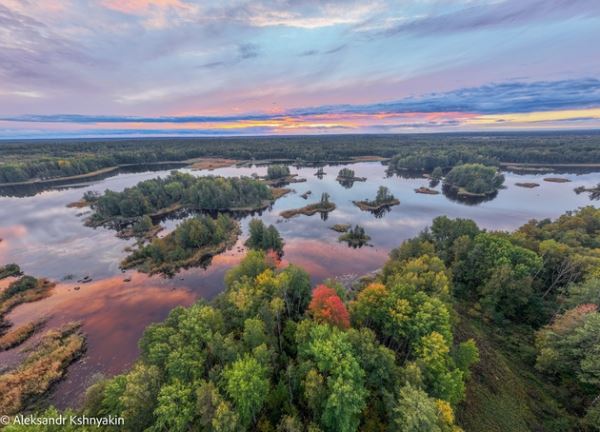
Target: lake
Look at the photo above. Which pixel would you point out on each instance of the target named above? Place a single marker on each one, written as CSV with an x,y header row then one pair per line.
x,y
48,239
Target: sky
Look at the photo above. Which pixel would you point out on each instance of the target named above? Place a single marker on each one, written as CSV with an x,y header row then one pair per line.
x,y
112,68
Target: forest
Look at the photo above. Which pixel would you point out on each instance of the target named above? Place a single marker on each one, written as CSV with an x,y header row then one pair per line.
x,y
417,347
23,161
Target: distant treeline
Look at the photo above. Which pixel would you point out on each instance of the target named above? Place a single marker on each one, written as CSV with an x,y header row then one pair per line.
x,y
42,159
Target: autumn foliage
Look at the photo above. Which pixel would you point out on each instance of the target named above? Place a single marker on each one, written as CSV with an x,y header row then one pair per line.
x,y
327,306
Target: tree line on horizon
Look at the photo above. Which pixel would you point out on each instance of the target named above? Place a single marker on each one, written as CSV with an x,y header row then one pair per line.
x,y
48,159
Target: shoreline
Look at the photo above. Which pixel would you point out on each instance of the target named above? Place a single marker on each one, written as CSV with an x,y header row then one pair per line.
x,y
202,163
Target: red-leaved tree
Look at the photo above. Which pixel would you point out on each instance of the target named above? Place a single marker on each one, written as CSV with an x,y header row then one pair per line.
x,y
327,306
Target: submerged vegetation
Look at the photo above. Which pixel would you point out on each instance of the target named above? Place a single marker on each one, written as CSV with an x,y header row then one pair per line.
x,y
44,365
17,336
26,289
193,242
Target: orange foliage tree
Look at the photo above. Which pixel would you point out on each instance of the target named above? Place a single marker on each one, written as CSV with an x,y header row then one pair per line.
x,y
327,306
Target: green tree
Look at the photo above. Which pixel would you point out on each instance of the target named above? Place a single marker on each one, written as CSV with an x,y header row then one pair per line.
x,y
247,384
328,350
570,346
415,411
586,292
437,173
277,171
139,397
176,409
383,195
264,238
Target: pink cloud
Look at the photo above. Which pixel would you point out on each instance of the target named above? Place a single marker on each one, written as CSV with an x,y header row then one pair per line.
x,y
137,7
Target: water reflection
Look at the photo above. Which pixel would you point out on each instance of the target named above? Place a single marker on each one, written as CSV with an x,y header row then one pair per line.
x,y
31,189
48,239
471,200
346,183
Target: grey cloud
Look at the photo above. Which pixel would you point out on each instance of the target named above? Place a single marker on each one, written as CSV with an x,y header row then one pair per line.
x,y
248,51
505,13
32,53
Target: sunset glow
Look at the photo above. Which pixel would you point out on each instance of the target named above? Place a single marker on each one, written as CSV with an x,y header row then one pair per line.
x,y
182,67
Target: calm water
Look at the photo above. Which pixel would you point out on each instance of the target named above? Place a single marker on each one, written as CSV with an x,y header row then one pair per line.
x,y
47,239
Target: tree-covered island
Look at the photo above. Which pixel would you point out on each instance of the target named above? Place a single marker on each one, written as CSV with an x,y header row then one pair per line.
x,y
346,177
384,198
324,206
355,237
474,180
192,243
136,208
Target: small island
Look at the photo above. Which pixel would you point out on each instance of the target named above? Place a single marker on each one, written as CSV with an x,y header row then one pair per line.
x,y
192,243
383,199
324,206
347,175
557,180
341,228
320,172
528,185
306,194
279,175
427,191
473,180
355,237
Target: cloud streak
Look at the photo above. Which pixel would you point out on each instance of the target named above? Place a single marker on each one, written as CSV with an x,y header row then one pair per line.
x,y
500,98
508,13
